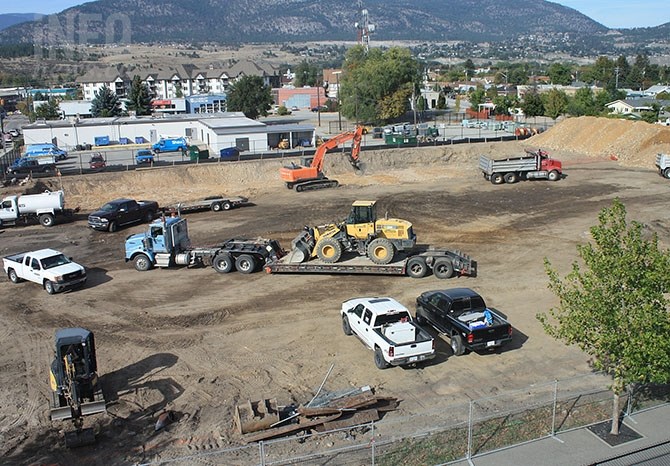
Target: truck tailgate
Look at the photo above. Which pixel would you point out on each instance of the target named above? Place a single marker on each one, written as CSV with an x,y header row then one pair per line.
x,y
417,348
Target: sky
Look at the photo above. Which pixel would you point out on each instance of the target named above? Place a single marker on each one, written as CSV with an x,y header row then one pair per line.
x,y
610,13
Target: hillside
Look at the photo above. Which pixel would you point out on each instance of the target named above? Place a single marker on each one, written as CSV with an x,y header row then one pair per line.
x,y
237,21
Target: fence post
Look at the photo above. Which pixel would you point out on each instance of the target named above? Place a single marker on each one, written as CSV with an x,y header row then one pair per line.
x,y
553,410
469,453
261,452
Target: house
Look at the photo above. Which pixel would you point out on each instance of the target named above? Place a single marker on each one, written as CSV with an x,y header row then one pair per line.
x,y
653,91
634,106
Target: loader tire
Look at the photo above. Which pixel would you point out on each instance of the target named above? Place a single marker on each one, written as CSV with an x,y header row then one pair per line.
x,y
381,251
329,250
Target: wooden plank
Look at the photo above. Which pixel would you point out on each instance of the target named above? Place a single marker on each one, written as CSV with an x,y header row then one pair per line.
x,y
302,424
359,417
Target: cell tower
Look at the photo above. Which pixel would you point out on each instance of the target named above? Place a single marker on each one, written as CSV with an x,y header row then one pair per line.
x,y
364,27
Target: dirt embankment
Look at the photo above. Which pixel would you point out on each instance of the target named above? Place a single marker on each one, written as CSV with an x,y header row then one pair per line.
x,y
631,143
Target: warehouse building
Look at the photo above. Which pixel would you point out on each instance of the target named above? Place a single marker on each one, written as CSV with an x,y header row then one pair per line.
x,y
218,131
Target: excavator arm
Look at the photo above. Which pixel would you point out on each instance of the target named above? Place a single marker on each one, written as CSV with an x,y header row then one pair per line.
x,y
356,136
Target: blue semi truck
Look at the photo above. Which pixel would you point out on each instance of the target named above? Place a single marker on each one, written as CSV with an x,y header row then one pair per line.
x,y
166,244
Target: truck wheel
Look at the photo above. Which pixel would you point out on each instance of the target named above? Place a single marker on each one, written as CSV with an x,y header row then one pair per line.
x,y
112,227
49,287
416,267
142,263
419,318
46,220
11,274
443,268
329,250
497,178
245,263
227,205
216,207
381,251
457,345
150,216
346,328
510,178
223,263
553,176
666,173
380,362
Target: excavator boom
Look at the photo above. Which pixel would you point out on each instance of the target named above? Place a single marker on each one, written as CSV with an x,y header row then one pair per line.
x,y
311,176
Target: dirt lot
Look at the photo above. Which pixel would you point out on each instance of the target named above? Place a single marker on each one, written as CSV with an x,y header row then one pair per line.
x,y
198,342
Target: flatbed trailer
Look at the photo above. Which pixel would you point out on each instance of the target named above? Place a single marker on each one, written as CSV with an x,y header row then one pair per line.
x,y
444,263
213,203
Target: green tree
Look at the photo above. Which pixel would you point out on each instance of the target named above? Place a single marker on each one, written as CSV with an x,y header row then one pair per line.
x,y
477,97
139,99
560,74
377,85
555,103
48,111
614,307
583,103
532,105
105,103
305,75
441,102
251,96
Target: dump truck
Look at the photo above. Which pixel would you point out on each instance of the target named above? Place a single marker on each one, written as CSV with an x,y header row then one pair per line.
x,y
75,386
663,165
45,207
535,165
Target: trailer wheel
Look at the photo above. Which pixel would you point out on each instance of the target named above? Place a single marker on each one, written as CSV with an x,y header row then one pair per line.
x,y
380,362
497,178
245,263
380,251
223,263
13,277
216,207
46,220
329,250
346,328
553,176
142,263
49,287
112,227
457,345
443,268
416,267
510,178
227,205
666,173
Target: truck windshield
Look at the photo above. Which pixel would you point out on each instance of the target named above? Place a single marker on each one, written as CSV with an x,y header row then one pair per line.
x,y
109,207
55,261
386,319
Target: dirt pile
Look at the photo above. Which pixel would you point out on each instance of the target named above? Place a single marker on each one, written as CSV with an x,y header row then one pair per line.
x,y
633,143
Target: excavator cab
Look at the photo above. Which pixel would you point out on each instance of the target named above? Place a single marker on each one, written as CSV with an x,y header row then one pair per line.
x,y
76,391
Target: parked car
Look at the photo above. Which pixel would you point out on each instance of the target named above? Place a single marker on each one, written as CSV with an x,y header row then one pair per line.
x,y
15,133
144,156
97,161
294,108
377,132
229,153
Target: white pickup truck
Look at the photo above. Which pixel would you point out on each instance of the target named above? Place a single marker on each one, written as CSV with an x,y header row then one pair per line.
x,y
386,327
49,268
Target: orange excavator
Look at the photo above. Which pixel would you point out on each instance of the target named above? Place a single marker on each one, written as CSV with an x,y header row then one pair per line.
x,y
309,175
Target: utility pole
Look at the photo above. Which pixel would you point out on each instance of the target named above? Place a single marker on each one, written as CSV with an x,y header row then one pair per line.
x,y
616,79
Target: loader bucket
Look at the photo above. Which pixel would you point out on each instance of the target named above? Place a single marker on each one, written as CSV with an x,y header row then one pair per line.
x,y
79,438
93,408
301,247
61,414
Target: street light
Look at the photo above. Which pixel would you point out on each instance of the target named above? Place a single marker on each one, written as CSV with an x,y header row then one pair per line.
x,y
339,112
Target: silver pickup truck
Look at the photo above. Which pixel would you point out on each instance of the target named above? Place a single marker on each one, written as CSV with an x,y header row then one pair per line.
x,y
386,327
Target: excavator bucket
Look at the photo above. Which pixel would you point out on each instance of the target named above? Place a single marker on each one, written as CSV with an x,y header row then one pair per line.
x,y
355,163
79,438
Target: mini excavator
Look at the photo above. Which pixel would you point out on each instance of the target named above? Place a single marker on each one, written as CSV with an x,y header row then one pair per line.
x,y
76,390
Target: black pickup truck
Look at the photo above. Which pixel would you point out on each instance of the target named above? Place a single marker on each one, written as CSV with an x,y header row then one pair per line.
x,y
122,212
462,315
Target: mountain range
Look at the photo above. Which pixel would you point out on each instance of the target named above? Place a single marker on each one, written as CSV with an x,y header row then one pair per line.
x,y
244,21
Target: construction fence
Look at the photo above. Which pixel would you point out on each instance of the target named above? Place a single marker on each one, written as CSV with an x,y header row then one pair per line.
x,y
463,431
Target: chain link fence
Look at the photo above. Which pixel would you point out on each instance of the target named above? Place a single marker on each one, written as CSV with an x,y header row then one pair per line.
x,y
463,431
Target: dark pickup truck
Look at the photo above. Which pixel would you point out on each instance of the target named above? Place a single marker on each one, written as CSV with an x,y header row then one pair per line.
x,y
462,315
24,166
122,212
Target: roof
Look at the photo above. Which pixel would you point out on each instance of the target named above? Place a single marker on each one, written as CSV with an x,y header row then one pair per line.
x,y
363,203
76,334
455,293
42,253
379,305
